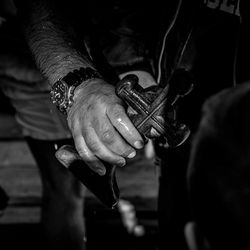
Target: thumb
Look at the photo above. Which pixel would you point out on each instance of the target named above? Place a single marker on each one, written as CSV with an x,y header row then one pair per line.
x,y
67,155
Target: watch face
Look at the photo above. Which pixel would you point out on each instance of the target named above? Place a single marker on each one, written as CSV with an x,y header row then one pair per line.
x,y
59,93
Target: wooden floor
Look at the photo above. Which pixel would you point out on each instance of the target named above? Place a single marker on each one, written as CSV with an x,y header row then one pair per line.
x,y
20,178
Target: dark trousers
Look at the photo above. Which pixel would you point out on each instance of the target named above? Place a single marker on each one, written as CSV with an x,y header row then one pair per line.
x,y
62,214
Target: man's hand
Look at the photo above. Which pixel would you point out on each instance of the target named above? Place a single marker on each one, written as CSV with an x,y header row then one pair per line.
x,y
100,126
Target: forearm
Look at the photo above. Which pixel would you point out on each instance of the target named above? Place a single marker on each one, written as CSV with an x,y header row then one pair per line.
x,y
52,41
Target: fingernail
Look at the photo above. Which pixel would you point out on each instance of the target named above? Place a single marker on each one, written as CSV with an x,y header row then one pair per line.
x,y
132,155
139,144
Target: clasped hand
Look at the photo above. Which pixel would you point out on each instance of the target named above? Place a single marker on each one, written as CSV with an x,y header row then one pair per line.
x,y
100,127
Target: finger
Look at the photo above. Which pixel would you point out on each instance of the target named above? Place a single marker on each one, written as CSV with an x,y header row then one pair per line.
x,y
95,145
67,155
89,158
111,138
122,123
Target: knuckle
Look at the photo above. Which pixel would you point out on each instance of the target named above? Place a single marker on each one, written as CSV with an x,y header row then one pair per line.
x,y
117,111
81,152
92,145
108,136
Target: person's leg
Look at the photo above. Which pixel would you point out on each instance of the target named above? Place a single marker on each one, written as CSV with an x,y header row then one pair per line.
x,y
63,198
44,128
172,200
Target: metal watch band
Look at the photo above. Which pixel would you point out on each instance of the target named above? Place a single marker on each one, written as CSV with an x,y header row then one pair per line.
x,y
62,91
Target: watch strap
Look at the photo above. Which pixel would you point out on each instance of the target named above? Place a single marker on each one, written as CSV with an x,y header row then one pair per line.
x,y
62,91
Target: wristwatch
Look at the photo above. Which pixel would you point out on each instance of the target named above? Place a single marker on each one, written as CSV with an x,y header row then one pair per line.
x,y
62,91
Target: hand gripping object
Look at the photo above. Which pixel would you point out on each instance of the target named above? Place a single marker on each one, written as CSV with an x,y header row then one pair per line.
x,y
152,112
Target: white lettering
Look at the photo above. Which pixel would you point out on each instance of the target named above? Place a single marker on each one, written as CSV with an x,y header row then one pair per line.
x,y
213,4
229,6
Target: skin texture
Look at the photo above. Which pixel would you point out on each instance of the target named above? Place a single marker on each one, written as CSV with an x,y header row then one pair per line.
x,y
97,120
101,130
100,127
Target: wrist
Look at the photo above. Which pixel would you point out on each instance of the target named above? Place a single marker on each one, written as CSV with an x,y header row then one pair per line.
x,y
63,90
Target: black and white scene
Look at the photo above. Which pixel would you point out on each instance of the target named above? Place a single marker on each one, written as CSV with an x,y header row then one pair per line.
x,y
124,125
